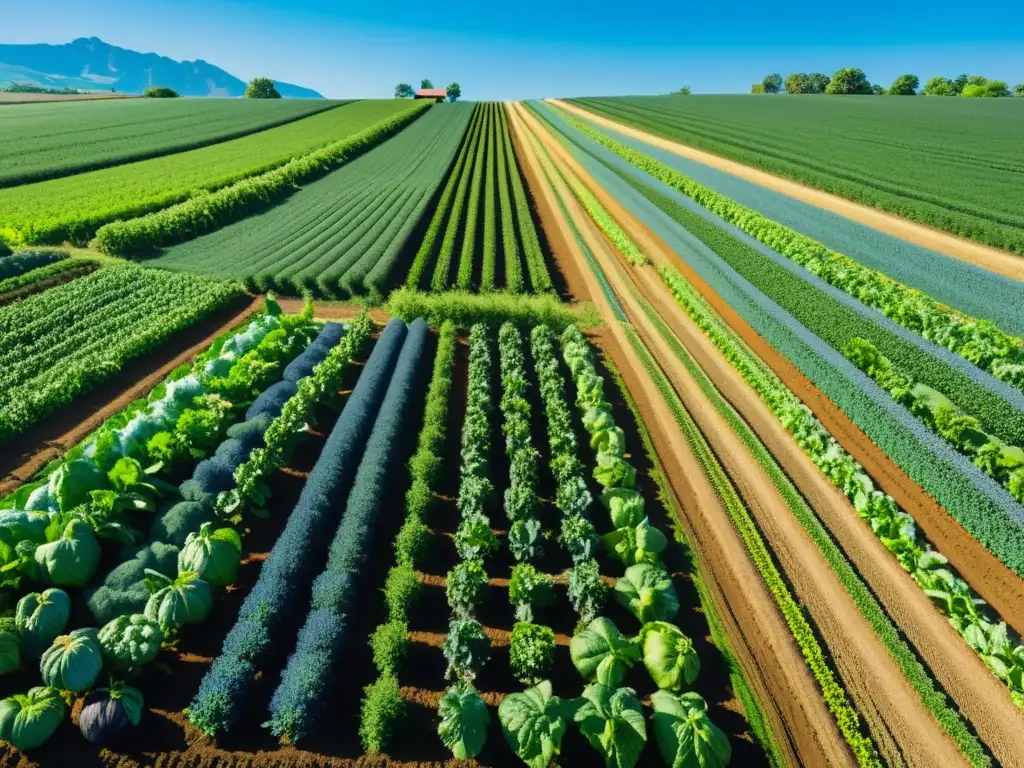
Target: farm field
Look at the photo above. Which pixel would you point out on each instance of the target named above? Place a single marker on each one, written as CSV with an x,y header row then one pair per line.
x,y
341,235
38,145
942,162
557,450
73,208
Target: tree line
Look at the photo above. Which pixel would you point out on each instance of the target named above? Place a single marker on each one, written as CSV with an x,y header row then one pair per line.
x,y
851,80
405,91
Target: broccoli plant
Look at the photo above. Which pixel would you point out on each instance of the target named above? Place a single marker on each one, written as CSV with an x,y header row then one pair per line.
x,y
532,651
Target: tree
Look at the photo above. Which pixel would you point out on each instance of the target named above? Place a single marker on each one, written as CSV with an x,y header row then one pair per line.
x,y
959,84
454,91
904,85
159,92
977,80
849,81
404,91
939,86
1018,90
796,82
772,83
684,91
990,89
877,90
424,84
817,82
757,88
261,88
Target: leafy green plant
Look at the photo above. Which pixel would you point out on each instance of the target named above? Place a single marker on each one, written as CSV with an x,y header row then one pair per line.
x,y
413,540
382,712
534,723
529,590
466,649
401,588
524,539
646,591
466,586
27,720
642,544
602,653
464,720
579,538
625,507
669,655
612,720
474,537
390,643
685,735
532,651
588,592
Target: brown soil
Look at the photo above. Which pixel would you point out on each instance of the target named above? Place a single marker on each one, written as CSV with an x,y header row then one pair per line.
x,y
333,310
82,268
792,704
995,260
28,453
994,582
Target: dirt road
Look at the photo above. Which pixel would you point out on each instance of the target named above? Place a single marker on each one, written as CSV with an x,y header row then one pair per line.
x,y
775,669
986,257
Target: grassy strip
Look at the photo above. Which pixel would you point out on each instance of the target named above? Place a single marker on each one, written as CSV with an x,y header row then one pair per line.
x,y
980,342
509,244
488,274
208,211
540,279
465,309
836,700
912,668
81,266
464,278
426,249
439,280
751,706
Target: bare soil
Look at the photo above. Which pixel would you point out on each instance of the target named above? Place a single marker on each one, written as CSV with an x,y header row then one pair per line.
x,y
31,451
792,704
986,257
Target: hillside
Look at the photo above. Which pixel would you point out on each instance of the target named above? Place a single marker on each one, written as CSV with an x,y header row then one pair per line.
x,y
89,63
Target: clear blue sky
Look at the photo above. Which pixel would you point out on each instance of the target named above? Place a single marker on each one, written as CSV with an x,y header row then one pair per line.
x,y
539,48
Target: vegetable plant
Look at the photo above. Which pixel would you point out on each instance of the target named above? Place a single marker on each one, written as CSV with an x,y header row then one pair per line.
x,y
177,602
587,590
463,721
532,651
382,711
685,735
401,589
579,538
390,643
130,642
534,723
467,584
27,720
40,617
639,544
669,655
612,720
474,537
107,711
600,652
528,590
646,591
213,555
625,506
73,662
524,539
466,649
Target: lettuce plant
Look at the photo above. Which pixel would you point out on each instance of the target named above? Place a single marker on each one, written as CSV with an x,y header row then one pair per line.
x,y
464,720
531,652
685,735
639,544
466,649
587,590
528,590
602,653
579,538
612,720
467,583
534,723
669,655
646,591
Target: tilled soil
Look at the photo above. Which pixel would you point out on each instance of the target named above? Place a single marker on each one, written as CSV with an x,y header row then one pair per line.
x,y
792,703
994,260
28,453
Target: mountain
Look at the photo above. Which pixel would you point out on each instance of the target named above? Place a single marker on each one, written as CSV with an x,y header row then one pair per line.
x,y
88,63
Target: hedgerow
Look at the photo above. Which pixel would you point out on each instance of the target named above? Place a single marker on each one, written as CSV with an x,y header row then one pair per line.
x,y
270,609
313,667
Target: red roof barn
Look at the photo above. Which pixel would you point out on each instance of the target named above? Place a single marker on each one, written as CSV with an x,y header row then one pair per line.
x,y
437,94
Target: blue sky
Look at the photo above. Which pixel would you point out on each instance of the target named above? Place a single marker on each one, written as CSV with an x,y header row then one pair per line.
x,y
539,48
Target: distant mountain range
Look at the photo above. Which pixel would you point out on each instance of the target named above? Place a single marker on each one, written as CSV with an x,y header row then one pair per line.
x,y
90,64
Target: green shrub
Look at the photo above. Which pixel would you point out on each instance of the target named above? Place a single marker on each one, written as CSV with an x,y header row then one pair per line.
x,y
532,651
413,541
383,710
390,644
400,591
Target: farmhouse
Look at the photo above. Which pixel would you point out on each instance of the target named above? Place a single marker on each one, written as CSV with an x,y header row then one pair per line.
x,y
437,94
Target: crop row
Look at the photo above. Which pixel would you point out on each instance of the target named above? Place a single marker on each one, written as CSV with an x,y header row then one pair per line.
x,y
63,342
979,342
46,141
339,236
460,250
274,607
74,207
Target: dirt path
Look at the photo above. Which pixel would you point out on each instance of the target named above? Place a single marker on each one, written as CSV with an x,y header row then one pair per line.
x,y
24,456
792,703
994,582
986,257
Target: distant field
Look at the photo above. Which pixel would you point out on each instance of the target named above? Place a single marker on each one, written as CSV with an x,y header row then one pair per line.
x,y
955,164
31,98
74,207
340,235
44,141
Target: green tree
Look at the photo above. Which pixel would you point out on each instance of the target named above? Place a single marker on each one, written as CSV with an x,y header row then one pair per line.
x,y
772,83
796,82
877,90
849,81
684,91
404,91
159,92
977,80
454,92
817,82
959,84
939,86
424,84
261,88
757,88
990,89
904,85
1018,90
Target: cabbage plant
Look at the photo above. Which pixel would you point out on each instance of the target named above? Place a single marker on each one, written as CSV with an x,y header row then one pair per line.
x,y
73,662
534,722
646,591
669,655
464,720
27,720
685,735
602,653
612,720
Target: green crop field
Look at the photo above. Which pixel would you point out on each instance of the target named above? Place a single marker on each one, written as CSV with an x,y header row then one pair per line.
x,y
954,164
73,208
45,141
